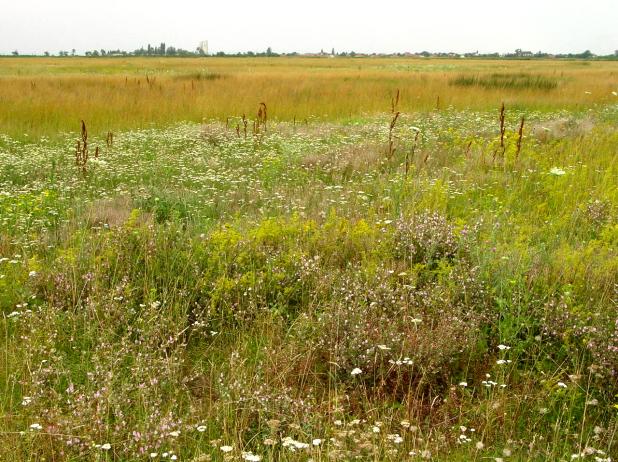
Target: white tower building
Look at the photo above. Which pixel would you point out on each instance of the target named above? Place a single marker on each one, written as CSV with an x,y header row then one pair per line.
x,y
203,46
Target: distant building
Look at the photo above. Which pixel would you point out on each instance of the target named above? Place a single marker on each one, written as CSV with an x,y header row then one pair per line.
x,y
203,47
523,54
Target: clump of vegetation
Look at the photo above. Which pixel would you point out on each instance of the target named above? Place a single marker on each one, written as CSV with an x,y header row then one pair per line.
x,y
201,75
507,81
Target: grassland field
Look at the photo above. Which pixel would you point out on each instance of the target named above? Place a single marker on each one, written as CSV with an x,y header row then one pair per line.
x,y
378,263
47,96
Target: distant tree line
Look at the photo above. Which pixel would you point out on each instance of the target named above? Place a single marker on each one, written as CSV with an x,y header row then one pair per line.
x,y
164,50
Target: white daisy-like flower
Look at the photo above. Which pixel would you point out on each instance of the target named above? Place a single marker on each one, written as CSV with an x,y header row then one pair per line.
x,y
557,171
36,426
250,457
356,371
226,448
316,442
201,428
106,446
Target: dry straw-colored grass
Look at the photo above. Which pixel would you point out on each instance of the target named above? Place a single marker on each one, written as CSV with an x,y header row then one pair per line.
x,y
41,96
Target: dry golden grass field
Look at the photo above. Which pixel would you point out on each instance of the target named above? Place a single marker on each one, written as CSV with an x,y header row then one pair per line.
x,y
41,96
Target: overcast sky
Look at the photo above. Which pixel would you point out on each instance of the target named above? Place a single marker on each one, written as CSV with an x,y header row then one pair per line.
x,y
31,26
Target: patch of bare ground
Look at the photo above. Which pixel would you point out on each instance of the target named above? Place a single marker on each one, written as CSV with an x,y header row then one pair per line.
x,y
563,127
113,212
347,159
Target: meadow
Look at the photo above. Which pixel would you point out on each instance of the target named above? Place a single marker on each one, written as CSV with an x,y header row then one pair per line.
x,y
296,259
51,95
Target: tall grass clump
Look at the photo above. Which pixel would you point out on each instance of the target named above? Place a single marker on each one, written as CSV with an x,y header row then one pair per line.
x,y
507,81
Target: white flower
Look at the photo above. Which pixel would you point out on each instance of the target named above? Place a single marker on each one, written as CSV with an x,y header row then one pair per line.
x,y
26,400
250,457
292,444
463,384
503,347
201,428
562,384
226,448
173,457
106,446
375,429
479,445
32,274
153,455
503,361
356,371
175,433
36,426
557,171
316,442
383,347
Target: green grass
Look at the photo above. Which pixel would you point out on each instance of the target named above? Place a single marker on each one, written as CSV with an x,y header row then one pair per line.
x,y
194,278
507,81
